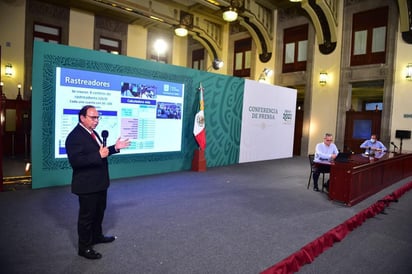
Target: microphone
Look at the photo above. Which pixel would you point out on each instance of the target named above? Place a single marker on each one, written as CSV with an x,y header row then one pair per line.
x,y
105,134
350,150
392,143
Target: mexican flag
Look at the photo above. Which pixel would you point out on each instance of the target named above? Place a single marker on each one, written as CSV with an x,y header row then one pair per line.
x,y
199,130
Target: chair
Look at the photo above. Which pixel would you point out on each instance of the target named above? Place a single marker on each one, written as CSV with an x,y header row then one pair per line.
x,y
312,169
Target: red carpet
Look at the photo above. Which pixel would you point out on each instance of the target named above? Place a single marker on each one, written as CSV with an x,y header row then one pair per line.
x,y
309,252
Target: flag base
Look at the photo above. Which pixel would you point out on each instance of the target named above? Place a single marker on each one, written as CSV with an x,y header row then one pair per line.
x,y
199,160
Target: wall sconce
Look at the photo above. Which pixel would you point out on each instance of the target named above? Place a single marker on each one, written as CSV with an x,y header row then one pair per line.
x,y
323,78
265,73
9,70
217,64
409,72
2,106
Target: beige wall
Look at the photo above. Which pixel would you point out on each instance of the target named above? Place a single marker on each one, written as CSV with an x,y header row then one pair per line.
x,y
81,29
325,98
402,93
226,57
180,51
137,41
12,26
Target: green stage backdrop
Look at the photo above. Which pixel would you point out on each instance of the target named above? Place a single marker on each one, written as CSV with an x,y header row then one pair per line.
x,y
223,97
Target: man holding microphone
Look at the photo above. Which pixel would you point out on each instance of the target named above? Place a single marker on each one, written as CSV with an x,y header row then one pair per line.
x,y
90,180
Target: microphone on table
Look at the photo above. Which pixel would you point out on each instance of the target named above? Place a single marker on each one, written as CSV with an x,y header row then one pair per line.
x,y
350,150
105,134
392,143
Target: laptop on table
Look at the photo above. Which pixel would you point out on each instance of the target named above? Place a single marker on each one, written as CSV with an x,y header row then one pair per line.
x,y
342,157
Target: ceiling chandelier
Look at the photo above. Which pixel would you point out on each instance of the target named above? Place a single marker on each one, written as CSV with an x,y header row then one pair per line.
x,y
230,14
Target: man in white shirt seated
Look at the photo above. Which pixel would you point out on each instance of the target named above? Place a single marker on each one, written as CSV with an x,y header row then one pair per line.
x,y
325,154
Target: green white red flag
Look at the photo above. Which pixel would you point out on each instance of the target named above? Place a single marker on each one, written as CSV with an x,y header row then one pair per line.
x,y
199,130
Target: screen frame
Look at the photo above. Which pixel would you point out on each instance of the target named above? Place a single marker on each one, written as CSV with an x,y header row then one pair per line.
x,y
102,65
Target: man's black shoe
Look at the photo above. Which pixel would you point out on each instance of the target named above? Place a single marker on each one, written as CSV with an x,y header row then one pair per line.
x,y
90,254
105,239
316,189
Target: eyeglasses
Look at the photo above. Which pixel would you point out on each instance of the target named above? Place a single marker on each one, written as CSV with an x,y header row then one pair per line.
x,y
95,118
328,140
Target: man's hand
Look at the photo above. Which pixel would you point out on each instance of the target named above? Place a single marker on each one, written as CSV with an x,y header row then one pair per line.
x,y
104,151
121,143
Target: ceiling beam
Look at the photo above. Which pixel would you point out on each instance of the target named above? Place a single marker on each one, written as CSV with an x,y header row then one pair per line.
x,y
323,16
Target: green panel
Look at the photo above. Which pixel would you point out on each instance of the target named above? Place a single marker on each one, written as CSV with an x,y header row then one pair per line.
x,y
223,98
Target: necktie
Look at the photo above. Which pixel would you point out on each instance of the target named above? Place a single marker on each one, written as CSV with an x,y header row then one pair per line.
x,y
93,136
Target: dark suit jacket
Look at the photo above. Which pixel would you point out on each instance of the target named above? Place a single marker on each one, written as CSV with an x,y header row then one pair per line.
x,y
90,171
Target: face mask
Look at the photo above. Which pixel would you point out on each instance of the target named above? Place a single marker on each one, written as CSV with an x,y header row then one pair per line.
x,y
373,140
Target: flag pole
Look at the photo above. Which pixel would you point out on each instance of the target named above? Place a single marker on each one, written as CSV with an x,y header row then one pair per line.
x,y
199,132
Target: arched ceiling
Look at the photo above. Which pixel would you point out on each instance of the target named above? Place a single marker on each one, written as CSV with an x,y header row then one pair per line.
x,y
206,22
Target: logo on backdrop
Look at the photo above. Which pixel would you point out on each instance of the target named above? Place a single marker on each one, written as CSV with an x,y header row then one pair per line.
x,y
287,116
263,112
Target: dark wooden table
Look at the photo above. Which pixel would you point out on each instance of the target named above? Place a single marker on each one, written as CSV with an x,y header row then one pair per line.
x,y
362,177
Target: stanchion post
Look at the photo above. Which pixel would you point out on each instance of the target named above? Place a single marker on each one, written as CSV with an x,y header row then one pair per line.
x,y
199,160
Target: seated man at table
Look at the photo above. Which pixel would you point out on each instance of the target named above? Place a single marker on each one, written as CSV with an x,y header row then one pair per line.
x,y
325,153
373,145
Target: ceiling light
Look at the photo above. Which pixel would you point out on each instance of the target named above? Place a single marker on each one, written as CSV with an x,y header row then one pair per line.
x,y
185,24
181,31
160,46
265,73
230,14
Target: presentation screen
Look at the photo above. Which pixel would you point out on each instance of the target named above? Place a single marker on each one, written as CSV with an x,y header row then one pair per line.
x,y
362,129
148,112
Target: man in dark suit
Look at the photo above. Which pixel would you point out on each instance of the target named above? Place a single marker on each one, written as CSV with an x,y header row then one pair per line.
x,y
90,179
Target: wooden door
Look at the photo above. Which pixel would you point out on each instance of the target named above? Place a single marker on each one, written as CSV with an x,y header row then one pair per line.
x,y
298,132
17,128
359,127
